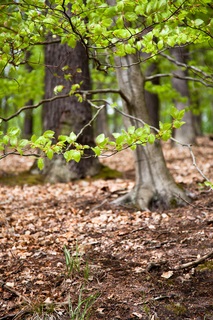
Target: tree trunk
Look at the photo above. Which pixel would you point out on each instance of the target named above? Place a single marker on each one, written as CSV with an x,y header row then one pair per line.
x,y
154,184
102,123
185,134
152,99
66,66
28,116
28,122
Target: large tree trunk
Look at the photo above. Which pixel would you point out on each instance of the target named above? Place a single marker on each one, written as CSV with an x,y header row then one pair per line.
x,y
154,184
186,134
67,115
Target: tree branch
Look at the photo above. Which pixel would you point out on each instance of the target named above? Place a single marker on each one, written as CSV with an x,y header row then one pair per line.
x,y
18,154
83,92
186,66
34,106
174,75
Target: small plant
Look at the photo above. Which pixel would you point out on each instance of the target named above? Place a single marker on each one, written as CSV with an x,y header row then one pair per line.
x,y
72,261
86,272
82,310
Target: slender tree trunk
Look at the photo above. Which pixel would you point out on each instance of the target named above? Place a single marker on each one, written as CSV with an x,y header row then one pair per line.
x,y
66,66
102,123
154,184
186,134
28,116
28,122
152,99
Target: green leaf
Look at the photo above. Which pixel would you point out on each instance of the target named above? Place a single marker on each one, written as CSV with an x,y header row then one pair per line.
x,y
13,131
23,143
40,163
177,124
97,151
165,126
131,129
133,147
73,136
122,33
160,44
131,16
139,131
48,134
68,155
13,141
33,138
121,140
166,135
62,138
151,138
6,139
72,155
116,135
146,128
50,154
181,114
58,89
100,139
198,22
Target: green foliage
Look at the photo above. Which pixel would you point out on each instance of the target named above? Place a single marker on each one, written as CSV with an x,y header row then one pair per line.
x,y
126,27
82,310
72,261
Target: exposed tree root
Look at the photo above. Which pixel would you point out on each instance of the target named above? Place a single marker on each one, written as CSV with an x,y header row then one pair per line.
x,y
145,198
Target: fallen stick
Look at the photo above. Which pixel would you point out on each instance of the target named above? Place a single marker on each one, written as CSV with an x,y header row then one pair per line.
x,y
195,262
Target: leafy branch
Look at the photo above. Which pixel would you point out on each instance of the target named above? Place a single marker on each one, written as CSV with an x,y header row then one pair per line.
x,y
72,150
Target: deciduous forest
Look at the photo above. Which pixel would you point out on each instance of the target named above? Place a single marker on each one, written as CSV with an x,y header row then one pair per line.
x,y
106,159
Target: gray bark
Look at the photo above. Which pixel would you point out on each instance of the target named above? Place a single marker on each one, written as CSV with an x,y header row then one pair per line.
x,y
152,99
67,115
185,134
154,184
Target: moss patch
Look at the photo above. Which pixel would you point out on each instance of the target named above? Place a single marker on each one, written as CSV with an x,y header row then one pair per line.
x,y
207,266
107,173
21,179
177,308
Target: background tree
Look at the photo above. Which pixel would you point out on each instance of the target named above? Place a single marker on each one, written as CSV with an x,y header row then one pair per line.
x,y
185,134
66,67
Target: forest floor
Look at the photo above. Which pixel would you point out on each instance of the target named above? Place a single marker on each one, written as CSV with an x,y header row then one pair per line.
x,y
122,263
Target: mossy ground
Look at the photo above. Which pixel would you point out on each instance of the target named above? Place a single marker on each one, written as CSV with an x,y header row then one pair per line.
x,y
27,178
21,179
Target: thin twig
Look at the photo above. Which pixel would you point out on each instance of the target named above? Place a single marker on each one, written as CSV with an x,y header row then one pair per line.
x,y
174,75
33,106
18,154
186,66
3,285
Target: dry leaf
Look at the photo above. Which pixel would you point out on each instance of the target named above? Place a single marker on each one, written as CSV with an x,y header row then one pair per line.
x,y
167,274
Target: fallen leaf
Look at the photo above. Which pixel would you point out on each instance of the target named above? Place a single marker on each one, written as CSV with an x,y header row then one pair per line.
x,y
167,274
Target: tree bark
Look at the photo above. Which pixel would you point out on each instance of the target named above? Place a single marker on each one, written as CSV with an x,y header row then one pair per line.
x,y
154,184
66,66
28,122
152,99
186,134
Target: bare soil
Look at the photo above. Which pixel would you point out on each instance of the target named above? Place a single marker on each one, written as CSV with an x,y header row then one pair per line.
x,y
133,263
